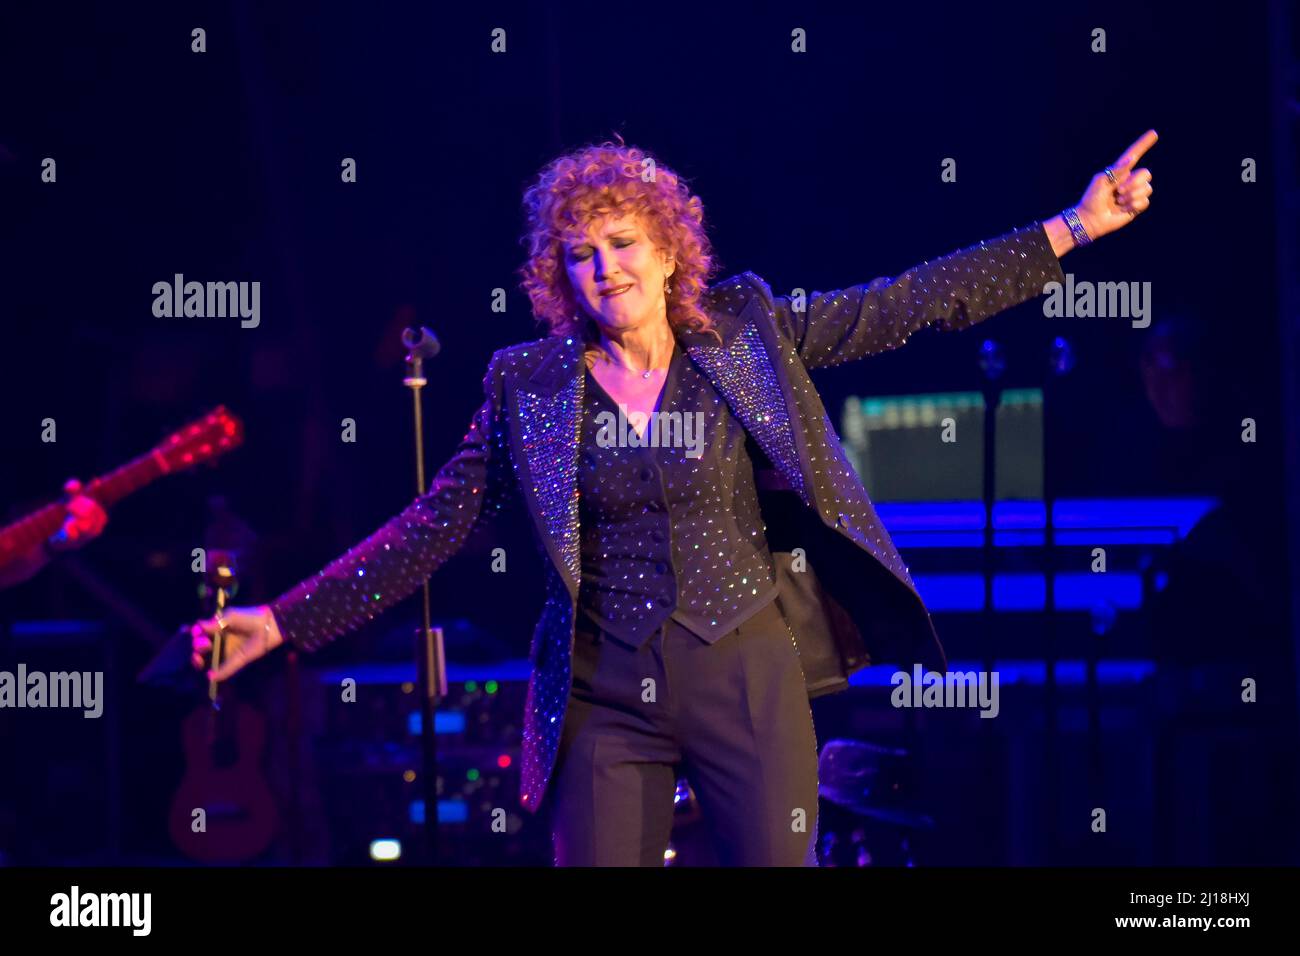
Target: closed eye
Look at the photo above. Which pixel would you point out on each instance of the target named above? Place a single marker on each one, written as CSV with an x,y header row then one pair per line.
x,y
584,252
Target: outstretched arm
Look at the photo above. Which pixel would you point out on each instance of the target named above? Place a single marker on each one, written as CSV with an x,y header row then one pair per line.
x,y
954,292
396,559
965,287
387,566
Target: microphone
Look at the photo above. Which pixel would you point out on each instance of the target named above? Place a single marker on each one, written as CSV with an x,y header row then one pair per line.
x,y
421,343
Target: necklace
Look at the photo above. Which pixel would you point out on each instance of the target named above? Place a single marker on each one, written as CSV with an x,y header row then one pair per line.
x,y
645,375
648,372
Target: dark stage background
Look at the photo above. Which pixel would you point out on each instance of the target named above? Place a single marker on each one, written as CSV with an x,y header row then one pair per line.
x,y
819,170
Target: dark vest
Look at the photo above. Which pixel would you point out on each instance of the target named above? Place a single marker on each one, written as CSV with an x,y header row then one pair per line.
x,y
674,530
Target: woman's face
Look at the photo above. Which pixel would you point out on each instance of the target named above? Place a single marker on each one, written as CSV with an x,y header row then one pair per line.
x,y
617,254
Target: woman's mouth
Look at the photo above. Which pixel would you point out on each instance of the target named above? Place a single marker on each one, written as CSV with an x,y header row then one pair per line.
x,y
617,290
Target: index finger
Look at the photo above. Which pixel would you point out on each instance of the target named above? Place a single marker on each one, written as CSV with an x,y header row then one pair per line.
x,y
1134,152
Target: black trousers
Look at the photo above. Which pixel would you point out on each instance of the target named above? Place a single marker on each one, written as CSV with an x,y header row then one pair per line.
x,y
732,717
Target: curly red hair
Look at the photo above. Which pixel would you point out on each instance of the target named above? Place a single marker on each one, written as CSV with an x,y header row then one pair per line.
x,y
611,178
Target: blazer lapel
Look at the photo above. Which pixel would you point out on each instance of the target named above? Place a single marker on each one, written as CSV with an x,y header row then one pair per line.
x,y
742,371
546,438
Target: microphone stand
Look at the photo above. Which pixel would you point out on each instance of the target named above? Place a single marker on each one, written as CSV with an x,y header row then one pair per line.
x,y
1060,362
430,661
992,365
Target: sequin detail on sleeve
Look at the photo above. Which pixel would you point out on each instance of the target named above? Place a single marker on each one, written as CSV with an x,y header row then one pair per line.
x,y
390,564
954,292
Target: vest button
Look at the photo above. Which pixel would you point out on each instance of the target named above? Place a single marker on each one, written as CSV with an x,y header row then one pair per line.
x,y
661,567
646,474
653,506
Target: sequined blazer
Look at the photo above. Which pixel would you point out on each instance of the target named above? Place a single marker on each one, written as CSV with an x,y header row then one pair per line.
x,y
843,586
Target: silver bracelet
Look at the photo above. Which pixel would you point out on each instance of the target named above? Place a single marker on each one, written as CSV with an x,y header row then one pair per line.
x,y
1081,237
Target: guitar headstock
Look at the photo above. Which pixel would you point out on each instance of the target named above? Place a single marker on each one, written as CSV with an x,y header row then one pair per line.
x,y
203,439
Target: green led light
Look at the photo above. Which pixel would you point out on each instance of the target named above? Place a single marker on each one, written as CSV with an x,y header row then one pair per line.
x,y
471,775
491,687
471,686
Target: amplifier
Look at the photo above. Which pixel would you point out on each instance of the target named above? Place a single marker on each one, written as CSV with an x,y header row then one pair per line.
x,y
369,759
931,447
